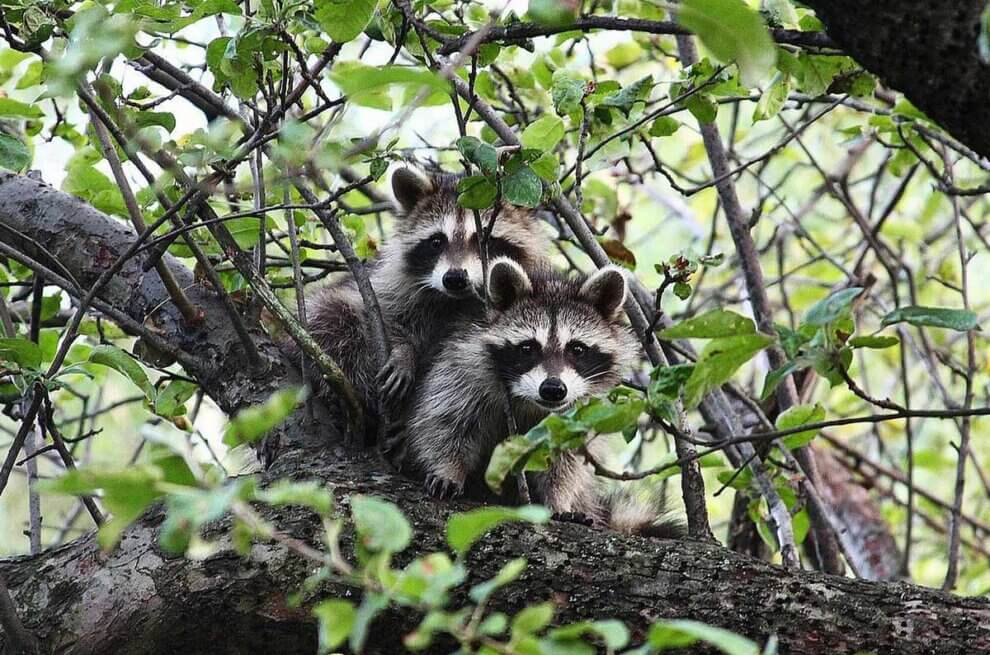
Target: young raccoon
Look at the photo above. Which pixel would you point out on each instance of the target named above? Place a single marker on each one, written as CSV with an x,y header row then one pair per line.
x,y
427,276
549,341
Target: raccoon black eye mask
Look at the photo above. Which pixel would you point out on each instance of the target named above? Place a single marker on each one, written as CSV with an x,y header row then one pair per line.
x,y
427,277
549,340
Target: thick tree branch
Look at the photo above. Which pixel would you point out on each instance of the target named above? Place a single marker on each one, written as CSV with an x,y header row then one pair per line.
x,y
521,32
86,242
927,50
140,599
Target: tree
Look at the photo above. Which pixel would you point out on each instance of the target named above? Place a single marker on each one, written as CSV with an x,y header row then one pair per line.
x,y
174,260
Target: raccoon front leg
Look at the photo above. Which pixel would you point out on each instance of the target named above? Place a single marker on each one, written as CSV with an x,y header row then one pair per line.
x,y
569,488
447,440
396,376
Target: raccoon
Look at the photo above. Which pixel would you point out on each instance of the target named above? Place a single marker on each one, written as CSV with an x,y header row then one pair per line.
x,y
427,276
548,341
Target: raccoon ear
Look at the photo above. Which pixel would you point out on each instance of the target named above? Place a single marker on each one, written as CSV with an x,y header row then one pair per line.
x,y
605,291
507,283
409,186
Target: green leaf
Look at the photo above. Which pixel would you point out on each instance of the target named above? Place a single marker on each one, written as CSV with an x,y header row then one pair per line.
x,y
126,493
797,416
344,20
508,455
544,134
494,624
611,631
434,622
624,99
547,167
961,320
683,632
624,54
307,493
522,188
86,182
831,364
702,107
380,525
23,352
427,579
359,78
252,423
147,118
476,192
608,417
720,359
773,98
465,528
733,32
509,572
115,358
668,380
189,510
10,108
833,307
875,342
335,619
14,155
552,12
32,76
664,126
566,92
481,154
775,376
532,619
169,402
711,325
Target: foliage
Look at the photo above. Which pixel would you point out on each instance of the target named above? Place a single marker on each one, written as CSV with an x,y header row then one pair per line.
x,y
434,585
866,231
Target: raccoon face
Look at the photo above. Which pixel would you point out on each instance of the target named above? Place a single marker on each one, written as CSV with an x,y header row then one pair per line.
x,y
557,340
439,242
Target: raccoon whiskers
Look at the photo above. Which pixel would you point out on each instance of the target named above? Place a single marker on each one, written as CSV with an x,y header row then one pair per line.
x,y
551,341
430,257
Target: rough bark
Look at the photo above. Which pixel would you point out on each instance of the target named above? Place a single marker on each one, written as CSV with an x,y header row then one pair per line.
x,y
137,600
927,50
877,555
47,224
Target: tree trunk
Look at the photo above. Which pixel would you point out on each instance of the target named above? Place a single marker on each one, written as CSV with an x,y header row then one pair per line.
x,y
927,50
139,600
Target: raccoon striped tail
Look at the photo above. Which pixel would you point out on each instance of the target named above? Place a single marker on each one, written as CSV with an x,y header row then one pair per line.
x,y
629,510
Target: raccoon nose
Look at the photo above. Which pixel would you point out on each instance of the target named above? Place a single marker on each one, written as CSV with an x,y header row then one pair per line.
x,y
456,279
553,389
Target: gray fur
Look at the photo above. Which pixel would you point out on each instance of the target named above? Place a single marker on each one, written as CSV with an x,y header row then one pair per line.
x,y
459,416
418,315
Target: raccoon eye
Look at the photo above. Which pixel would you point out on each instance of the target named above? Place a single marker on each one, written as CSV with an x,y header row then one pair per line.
x,y
576,348
438,241
527,348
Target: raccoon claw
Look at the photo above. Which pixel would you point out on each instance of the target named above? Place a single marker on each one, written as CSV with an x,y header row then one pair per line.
x,y
396,379
442,488
573,517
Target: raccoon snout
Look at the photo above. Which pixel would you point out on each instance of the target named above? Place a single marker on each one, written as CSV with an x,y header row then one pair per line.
x,y
456,280
553,390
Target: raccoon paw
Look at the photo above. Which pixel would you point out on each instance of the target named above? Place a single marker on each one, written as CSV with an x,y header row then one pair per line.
x,y
396,376
573,517
442,488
